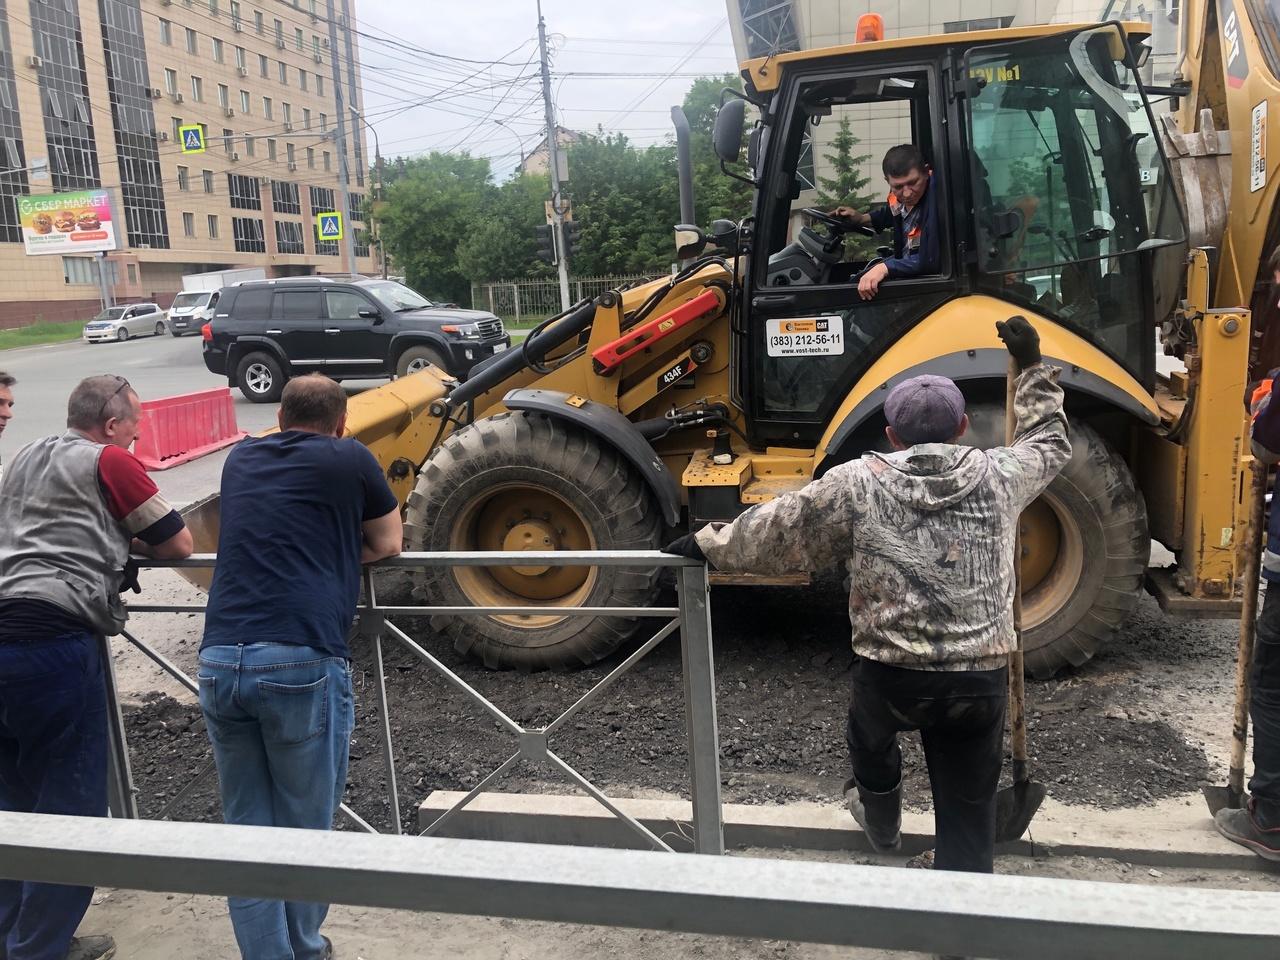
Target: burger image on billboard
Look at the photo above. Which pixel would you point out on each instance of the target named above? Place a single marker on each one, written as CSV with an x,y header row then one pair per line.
x,y
60,223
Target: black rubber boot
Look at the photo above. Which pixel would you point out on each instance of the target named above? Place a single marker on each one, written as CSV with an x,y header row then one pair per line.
x,y
1244,827
878,814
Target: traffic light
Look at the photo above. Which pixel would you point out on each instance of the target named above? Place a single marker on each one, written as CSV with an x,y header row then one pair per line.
x,y
545,237
572,236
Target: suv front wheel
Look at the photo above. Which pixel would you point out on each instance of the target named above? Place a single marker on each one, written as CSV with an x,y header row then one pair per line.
x,y
419,358
260,378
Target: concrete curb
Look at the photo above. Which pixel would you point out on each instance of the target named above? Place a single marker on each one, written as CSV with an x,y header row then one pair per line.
x,y
1176,833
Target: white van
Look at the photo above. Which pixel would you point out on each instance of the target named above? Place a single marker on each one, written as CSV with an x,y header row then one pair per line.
x,y
191,310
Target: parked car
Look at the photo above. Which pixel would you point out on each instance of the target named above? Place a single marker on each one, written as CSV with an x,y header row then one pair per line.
x,y
123,322
190,310
265,332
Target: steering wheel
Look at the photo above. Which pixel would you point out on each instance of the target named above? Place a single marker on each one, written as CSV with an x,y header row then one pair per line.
x,y
835,223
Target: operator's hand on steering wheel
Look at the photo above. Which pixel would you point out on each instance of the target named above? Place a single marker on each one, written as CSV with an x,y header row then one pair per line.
x,y
869,283
845,213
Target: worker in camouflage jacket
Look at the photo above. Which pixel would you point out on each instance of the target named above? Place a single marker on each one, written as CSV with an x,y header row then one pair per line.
x,y
927,534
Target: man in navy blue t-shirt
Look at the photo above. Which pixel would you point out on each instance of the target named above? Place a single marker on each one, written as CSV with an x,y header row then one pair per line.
x,y
301,511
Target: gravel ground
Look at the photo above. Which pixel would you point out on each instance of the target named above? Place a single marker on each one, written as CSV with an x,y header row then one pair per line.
x,y
1128,728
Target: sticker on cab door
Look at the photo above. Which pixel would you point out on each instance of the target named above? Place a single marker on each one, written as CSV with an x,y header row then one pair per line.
x,y
804,337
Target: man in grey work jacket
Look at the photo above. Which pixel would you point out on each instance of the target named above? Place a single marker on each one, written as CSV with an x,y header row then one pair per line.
x,y
927,533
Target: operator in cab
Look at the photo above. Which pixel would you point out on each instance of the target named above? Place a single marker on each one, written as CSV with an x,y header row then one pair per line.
x,y
912,214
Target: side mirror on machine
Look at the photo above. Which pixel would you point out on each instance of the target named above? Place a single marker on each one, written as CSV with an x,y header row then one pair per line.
x,y
724,234
727,136
690,241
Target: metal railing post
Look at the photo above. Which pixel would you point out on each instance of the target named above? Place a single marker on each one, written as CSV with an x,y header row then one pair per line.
x,y
700,710
122,798
371,621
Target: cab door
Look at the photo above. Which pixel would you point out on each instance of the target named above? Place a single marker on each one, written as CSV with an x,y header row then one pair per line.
x,y
807,334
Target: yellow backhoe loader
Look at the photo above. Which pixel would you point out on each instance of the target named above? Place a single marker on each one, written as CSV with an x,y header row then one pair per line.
x,y
1062,196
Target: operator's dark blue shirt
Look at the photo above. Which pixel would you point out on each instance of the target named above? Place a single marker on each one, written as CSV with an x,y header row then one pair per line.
x,y
289,549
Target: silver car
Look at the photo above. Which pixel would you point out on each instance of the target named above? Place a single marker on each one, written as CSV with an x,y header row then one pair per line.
x,y
121,323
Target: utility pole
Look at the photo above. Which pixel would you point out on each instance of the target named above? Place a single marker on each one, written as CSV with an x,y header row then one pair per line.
x,y
344,173
553,159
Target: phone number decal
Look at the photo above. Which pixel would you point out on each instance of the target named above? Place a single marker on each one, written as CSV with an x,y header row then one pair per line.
x,y
804,337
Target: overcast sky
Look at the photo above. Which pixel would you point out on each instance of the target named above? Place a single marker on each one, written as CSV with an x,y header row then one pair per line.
x,y
494,110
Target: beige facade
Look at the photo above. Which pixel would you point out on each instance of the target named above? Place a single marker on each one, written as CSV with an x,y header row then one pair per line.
x,y
205,62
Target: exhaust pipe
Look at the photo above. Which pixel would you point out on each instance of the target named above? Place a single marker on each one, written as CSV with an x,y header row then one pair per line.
x,y
684,163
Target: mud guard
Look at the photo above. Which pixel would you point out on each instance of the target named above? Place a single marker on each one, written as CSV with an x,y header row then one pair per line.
x,y
613,428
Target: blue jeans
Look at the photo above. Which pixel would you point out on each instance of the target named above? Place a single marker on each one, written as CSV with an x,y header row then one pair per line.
x,y
53,759
280,718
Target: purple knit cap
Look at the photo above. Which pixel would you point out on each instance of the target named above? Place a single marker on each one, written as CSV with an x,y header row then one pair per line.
x,y
925,409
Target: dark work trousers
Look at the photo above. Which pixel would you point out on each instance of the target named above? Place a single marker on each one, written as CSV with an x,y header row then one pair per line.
x,y
1264,711
53,759
960,716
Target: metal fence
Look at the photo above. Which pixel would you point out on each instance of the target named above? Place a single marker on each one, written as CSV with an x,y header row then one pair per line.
x,y
520,301
692,618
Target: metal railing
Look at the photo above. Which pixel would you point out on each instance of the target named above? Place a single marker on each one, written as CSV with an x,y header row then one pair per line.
x,y
931,911
692,618
521,301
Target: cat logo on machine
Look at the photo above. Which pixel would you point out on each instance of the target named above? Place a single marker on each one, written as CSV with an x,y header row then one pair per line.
x,y
814,325
1233,48
675,373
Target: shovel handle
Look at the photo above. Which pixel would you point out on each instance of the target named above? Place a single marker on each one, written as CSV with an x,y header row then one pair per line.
x,y
1256,507
1017,682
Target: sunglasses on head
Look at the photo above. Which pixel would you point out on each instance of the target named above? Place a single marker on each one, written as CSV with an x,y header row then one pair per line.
x,y
107,402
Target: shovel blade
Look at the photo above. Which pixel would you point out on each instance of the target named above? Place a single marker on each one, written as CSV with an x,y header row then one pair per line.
x,y
1222,798
1016,805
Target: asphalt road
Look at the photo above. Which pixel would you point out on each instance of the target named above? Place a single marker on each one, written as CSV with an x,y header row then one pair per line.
x,y
155,366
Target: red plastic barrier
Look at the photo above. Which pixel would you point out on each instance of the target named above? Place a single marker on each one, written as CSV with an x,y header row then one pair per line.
x,y
174,430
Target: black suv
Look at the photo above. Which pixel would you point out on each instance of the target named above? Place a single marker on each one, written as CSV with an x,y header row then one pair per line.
x,y
266,331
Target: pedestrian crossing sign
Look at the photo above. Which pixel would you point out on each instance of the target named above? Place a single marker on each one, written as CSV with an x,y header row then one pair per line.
x,y
329,226
192,138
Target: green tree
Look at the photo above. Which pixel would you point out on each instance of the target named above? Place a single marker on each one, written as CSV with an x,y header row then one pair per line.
x,y
500,244
844,188
716,195
433,203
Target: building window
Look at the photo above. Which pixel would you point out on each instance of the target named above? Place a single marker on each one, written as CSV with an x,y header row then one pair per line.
x,y
184,178
257,22
240,58
228,140
235,12
306,118
284,197
170,81
64,96
271,149
213,226
315,44
208,180
213,8
248,146
166,32
248,235
267,110
311,158
174,135
282,70
279,33
84,270
289,238
217,50
324,122
244,102
299,40
224,95
264,66
355,209
770,27
132,273
289,153
188,224
302,79
193,41
328,163
361,243
244,192
13,180
286,112
319,85
197,89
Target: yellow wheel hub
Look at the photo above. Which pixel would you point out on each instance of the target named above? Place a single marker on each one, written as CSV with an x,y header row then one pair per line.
x,y
518,516
1052,558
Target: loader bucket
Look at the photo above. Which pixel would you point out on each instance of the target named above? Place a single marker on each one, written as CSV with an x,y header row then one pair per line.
x,y
394,421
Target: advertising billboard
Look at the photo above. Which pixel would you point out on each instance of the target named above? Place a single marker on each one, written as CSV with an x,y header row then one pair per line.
x,y
67,223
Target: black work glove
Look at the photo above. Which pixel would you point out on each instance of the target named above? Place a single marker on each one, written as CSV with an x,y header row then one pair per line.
x,y
1021,339
686,546
129,577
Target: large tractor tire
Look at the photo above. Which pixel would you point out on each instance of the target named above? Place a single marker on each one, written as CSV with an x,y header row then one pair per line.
x,y
525,481
1085,549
